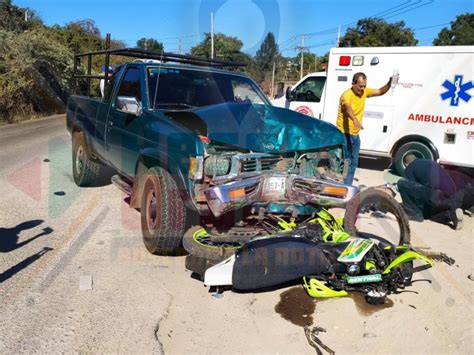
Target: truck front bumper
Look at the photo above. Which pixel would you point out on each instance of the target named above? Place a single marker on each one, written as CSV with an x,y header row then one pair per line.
x,y
277,188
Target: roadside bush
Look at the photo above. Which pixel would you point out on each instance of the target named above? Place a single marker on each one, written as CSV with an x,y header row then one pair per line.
x,y
35,74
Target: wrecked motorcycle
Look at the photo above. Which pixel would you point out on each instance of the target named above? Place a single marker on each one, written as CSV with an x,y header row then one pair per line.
x,y
372,214
329,269
331,258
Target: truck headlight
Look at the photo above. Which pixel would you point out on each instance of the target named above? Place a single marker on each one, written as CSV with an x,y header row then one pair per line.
x,y
217,165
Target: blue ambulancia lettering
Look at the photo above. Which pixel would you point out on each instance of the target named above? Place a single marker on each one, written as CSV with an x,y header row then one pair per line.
x,y
457,90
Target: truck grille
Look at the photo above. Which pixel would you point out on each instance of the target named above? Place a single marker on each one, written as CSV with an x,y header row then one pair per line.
x,y
257,164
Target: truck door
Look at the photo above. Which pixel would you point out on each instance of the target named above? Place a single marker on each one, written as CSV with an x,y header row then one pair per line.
x,y
124,131
102,116
308,95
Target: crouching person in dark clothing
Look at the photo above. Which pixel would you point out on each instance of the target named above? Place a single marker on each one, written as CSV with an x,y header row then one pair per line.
x,y
430,191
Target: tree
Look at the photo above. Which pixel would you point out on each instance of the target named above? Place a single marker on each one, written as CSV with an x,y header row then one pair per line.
x,y
150,44
460,34
83,35
375,32
225,47
12,18
267,55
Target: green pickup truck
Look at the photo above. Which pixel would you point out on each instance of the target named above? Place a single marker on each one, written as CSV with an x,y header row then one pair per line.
x,y
194,144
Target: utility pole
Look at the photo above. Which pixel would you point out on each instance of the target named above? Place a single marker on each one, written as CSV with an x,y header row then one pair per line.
x,y
179,46
273,80
338,35
302,51
26,15
212,35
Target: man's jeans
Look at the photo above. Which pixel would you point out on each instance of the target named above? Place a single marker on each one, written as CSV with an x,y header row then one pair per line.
x,y
353,147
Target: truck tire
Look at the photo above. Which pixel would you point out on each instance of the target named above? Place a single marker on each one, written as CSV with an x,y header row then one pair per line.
x,y
84,170
419,149
163,214
377,201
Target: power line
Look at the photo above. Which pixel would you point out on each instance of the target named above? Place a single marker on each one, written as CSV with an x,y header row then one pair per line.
x,y
433,26
288,41
402,8
407,6
411,9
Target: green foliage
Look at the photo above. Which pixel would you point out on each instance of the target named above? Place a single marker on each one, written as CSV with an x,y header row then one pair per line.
x,y
266,56
374,32
460,34
311,63
12,18
225,47
36,62
35,74
150,44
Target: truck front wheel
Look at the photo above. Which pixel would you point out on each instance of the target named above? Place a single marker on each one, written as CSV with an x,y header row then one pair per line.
x,y
84,170
163,214
420,150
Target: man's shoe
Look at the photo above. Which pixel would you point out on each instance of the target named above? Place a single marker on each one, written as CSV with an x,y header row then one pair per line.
x,y
456,217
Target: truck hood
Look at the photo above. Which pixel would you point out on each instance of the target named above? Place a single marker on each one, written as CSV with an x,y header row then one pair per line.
x,y
267,129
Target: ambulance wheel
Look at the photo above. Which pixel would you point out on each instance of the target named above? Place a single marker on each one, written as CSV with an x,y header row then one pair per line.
x,y
420,150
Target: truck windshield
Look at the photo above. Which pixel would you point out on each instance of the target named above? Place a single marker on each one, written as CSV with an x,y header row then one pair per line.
x,y
176,88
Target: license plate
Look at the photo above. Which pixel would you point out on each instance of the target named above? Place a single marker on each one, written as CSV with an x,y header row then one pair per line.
x,y
274,185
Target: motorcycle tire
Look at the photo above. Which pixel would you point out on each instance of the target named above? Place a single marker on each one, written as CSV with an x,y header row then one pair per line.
x,y
197,242
376,200
198,265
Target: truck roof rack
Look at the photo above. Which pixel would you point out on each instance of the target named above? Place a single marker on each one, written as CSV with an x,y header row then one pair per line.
x,y
142,54
164,57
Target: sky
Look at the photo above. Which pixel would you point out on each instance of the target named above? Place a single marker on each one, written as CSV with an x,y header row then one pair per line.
x,y
181,24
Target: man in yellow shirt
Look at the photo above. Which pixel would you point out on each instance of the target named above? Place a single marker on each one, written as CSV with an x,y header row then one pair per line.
x,y
350,113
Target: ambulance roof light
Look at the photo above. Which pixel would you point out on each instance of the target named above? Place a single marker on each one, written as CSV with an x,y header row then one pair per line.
x,y
344,60
374,61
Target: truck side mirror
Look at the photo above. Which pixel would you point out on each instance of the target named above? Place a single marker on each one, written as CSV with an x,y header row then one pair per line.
x,y
129,105
289,94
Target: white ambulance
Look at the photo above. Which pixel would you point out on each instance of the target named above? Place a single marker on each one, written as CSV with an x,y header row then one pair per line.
x,y
428,112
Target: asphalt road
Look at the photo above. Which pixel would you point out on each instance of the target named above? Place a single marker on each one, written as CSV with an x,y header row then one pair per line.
x,y
75,277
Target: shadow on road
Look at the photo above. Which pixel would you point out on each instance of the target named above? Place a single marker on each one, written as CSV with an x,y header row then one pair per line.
x,y
23,264
9,236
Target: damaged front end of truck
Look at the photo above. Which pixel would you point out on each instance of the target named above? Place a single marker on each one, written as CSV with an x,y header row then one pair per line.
x,y
270,159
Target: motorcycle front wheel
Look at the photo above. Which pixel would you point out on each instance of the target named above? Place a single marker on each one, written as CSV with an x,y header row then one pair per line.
x,y
375,214
201,243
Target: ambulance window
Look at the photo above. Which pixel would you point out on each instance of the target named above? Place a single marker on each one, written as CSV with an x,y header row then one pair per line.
x,y
311,89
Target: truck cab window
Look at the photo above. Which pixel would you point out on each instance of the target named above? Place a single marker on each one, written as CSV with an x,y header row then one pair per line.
x,y
310,90
243,92
181,88
130,85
